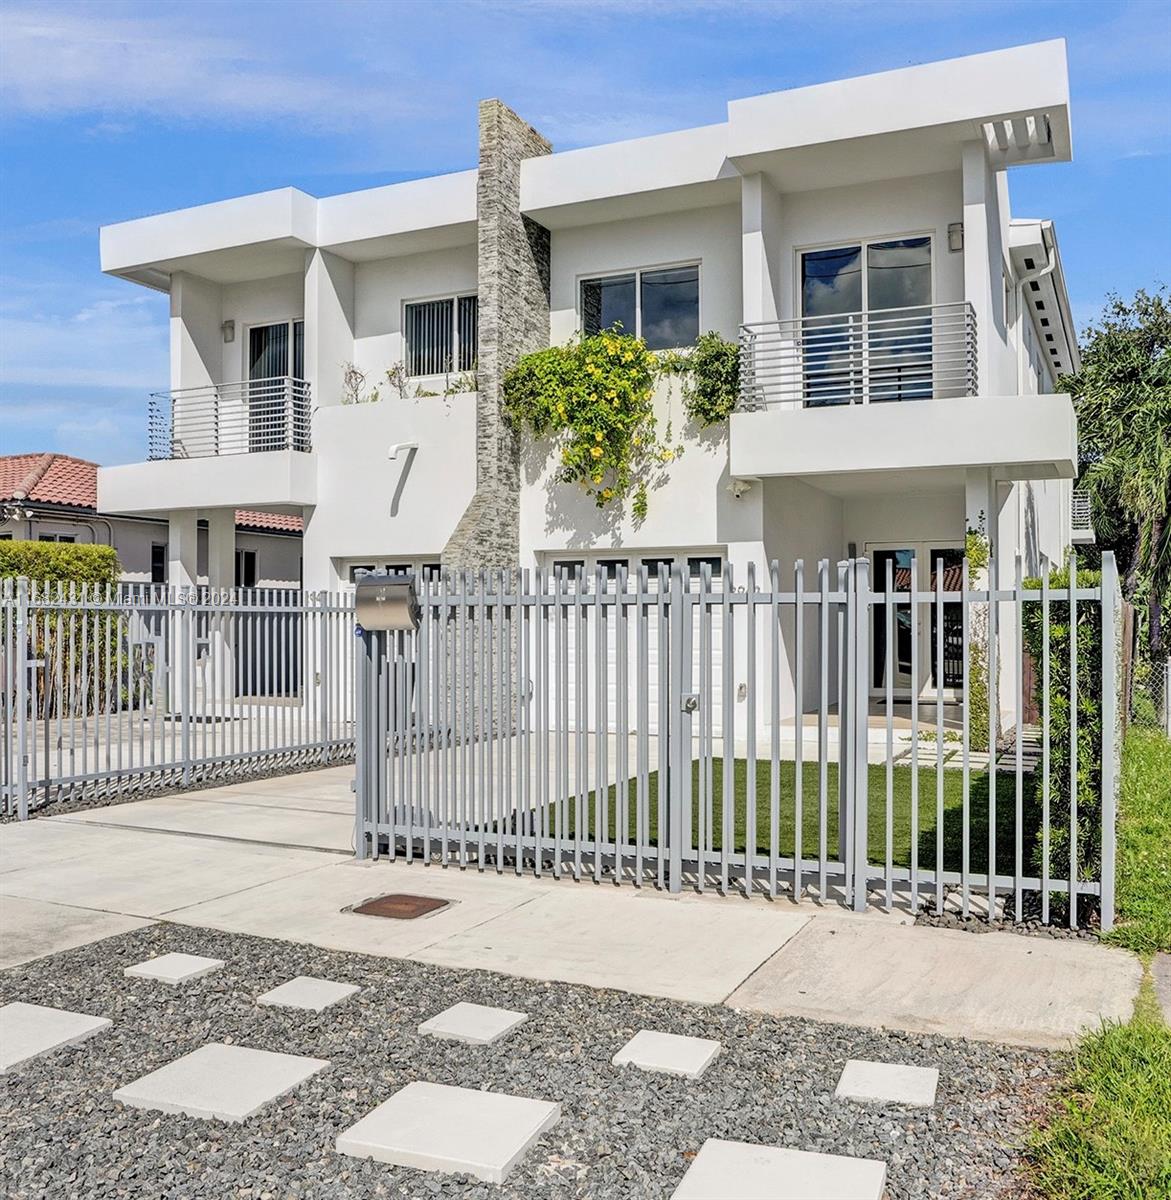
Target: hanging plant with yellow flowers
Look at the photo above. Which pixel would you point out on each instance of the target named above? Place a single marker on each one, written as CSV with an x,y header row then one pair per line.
x,y
594,397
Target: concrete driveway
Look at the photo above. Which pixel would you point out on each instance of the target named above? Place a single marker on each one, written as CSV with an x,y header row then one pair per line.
x,y
272,858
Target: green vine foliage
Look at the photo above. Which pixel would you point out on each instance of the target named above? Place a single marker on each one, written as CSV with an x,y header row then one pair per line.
x,y
595,398
710,372
978,554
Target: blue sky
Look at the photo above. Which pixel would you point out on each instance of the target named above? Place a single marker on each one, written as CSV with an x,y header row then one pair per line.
x,y
110,111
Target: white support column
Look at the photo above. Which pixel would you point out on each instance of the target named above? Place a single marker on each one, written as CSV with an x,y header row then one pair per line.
x,y
329,324
182,548
978,281
221,548
760,215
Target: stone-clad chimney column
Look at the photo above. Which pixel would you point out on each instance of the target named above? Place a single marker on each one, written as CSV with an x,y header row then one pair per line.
x,y
513,271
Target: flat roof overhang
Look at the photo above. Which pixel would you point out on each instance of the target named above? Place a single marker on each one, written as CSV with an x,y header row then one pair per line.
x,y
1021,437
265,235
909,121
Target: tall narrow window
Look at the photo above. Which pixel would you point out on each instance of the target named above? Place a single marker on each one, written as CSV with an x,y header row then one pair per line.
x,y
442,336
158,562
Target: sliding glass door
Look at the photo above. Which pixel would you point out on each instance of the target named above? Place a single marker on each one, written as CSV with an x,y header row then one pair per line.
x,y
866,328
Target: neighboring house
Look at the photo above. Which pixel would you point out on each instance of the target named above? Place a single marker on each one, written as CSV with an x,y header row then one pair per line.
x,y
53,498
901,338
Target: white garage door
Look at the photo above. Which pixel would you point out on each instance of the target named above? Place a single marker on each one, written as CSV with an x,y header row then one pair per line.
x,y
624,648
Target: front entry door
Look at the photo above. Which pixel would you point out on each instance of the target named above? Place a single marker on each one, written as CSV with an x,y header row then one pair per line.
x,y
918,563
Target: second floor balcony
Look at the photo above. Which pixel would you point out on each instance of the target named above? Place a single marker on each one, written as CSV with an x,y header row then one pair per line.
x,y
251,416
883,355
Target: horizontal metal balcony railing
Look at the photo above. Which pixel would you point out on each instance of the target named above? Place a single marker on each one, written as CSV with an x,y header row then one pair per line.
x,y
246,417
859,358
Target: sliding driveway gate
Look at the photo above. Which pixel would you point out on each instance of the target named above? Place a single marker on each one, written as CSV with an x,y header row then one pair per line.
x,y
640,729
108,692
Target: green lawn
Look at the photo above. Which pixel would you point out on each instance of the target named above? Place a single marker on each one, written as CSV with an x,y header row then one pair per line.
x,y
1109,1137
901,808
1143,887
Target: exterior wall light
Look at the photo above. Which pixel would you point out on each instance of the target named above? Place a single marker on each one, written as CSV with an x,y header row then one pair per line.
x,y
228,329
955,236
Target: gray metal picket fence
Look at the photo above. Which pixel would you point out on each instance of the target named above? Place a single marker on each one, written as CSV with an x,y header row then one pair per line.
x,y
673,731
109,691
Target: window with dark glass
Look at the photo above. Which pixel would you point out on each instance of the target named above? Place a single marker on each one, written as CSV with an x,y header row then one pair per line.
x,y
245,568
158,562
660,306
442,336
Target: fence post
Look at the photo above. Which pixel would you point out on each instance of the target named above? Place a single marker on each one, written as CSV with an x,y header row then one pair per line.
x,y
321,678
844,696
361,739
1111,603
22,669
861,709
185,685
675,789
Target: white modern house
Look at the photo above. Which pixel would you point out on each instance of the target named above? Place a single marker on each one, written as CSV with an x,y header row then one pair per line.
x,y
901,335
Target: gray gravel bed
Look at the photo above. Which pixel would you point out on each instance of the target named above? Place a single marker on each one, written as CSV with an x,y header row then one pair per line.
x,y
623,1133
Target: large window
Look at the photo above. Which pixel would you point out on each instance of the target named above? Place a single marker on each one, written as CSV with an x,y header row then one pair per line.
x,y
867,321
442,335
660,306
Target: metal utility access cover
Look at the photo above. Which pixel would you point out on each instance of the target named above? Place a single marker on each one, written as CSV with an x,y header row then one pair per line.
x,y
400,906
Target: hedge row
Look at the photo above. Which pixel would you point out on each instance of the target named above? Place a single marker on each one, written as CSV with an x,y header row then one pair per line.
x,y
60,562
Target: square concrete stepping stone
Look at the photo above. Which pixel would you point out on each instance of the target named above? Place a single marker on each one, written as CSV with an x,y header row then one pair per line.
x,y
888,1083
223,1083
175,968
434,1127
725,1169
30,1030
670,1053
307,991
476,1024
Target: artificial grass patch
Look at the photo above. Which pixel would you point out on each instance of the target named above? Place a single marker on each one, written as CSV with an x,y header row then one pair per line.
x,y
1143,864
1110,1136
900,810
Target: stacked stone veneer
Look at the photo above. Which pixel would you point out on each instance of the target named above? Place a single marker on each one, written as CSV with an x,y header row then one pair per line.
x,y
513,281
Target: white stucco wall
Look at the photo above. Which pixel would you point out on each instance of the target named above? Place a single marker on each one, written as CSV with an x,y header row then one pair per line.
x,y
370,506
383,286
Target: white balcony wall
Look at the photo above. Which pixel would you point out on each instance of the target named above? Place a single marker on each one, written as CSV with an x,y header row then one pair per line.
x,y
381,289
370,505
709,236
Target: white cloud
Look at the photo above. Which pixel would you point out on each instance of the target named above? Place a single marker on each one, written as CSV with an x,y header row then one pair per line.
x,y
108,342
68,60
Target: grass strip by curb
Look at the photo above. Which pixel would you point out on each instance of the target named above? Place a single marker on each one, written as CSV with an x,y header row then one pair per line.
x,y
1143,894
1109,1137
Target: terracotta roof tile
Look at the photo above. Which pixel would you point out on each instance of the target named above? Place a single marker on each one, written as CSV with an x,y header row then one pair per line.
x,y
249,519
49,479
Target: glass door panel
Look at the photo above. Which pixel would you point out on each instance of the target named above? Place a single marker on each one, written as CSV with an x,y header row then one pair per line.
x,y
831,303
898,286
951,563
896,658
268,364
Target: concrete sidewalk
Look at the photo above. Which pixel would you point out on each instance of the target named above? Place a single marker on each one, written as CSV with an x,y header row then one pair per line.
x,y
272,859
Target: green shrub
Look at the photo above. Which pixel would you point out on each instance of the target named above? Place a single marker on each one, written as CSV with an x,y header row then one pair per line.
x,y
1089,722
60,562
